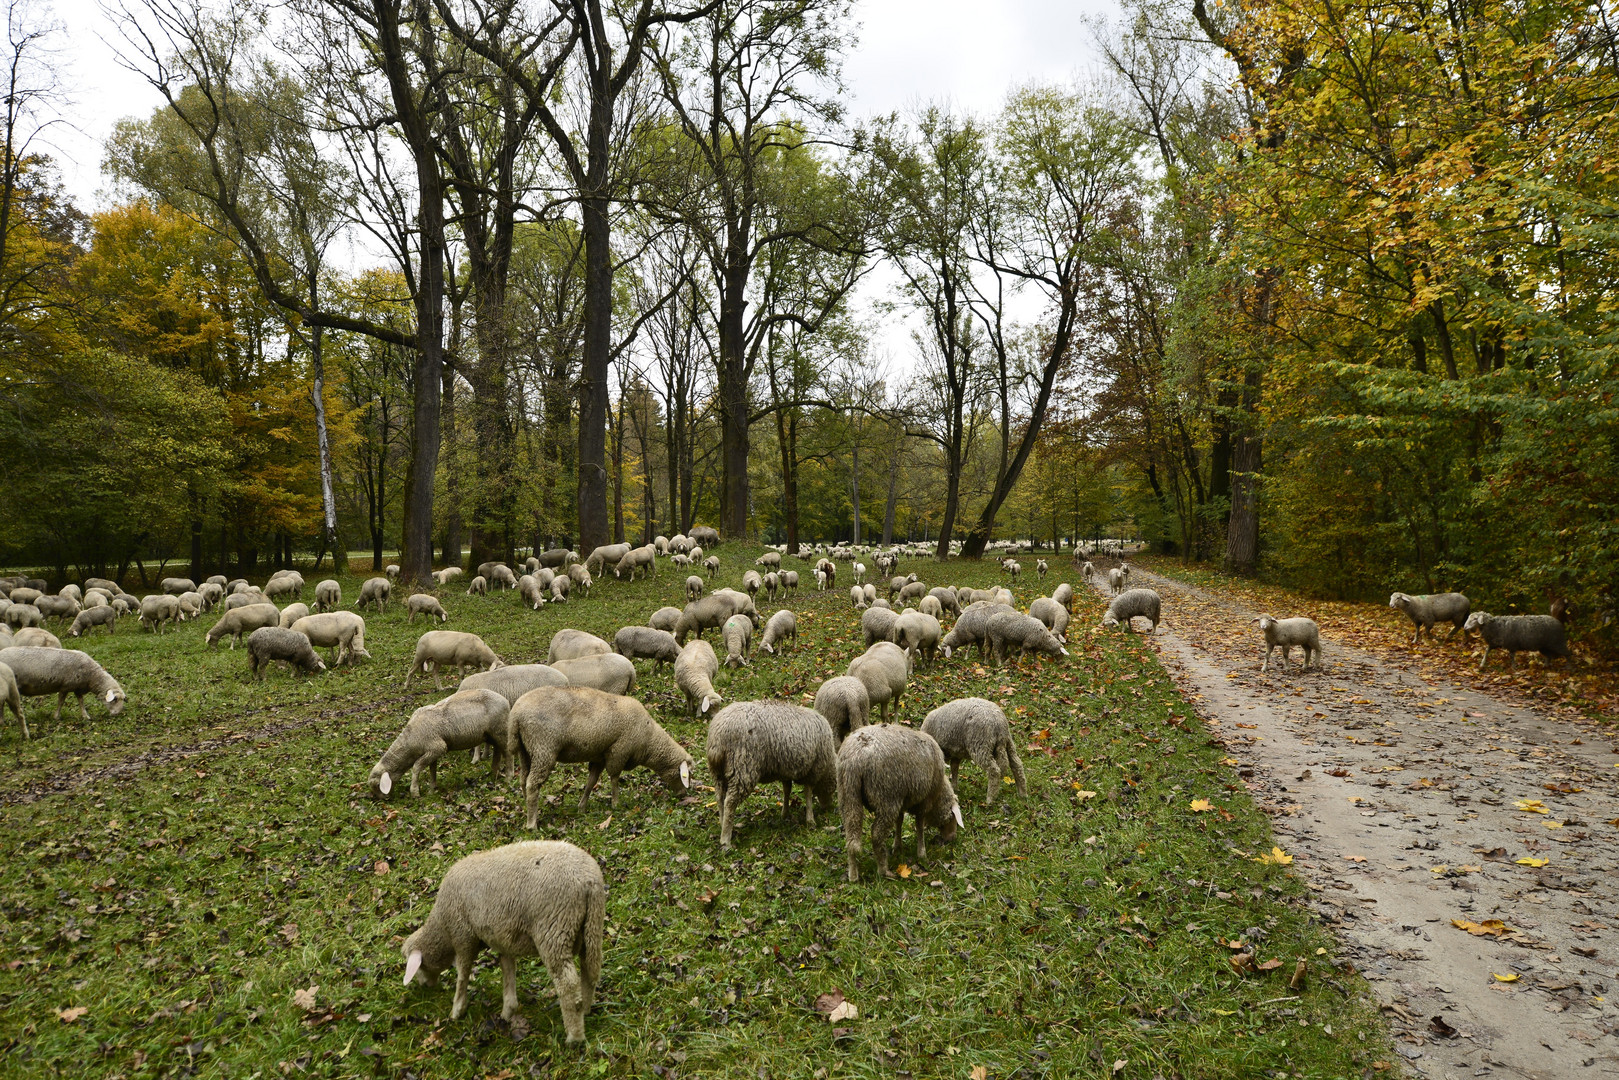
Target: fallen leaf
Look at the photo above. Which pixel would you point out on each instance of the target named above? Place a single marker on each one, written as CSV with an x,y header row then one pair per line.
x,y
1201,805
381,867
845,1011
1487,928
825,1003
978,1073
1081,794
1532,806
903,871
1439,1026
68,1016
1533,862
1275,857
1269,965
1355,858
608,821
305,999
1505,978
290,932
1118,1066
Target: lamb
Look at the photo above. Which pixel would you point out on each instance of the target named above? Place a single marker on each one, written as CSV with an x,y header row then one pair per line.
x,y
885,669
96,616
478,586
711,565
977,729
212,595
1115,580
559,589
514,680
782,627
764,742
329,593
572,644
174,586
1424,611
374,591
1288,633
10,695
439,649
40,672
158,609
640,560
291,614
242,620
1128,605
1052,614
893,771
877,624
271,643
665,618
917,633
646,643
1008,630
579,724
425,604
341,631
772,585
582,581
1514,633
930,605
826,573
608,672
502,576
542,897
972,627
789,581
36,636
695,669
694,588
286,584
604,556
466,720
530,592
845,704
857,596
1064,595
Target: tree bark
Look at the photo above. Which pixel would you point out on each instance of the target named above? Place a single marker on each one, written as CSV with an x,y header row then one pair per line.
x,y
1242,532
592,457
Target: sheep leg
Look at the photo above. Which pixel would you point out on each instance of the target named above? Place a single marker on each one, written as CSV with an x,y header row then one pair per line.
x,y
883,824
508,986
592,780
955,772
60,698
921,835
463,972
1266,665
1286,649
984,758
1012,764
571,996
537,775
1486,657
83,714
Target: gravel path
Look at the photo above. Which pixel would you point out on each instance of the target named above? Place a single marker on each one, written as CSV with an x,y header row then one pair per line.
x,y
1409,802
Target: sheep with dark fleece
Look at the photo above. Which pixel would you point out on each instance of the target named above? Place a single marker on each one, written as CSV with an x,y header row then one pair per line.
x,y
1516,634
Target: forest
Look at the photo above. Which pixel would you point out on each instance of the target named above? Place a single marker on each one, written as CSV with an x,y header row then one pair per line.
x,y
1321,293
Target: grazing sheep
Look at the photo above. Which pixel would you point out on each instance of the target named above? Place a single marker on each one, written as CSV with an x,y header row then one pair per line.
x,y
857,597
605,556
114,588
930,605
913,592
486,570
869,591
885,669
158,609
60,607
641,560
375,591
782,627
918,634
1514,633
665,618
440,649
607,672
329,593
559,589
213,594
565,724
542,897
709,611
1287,633
284,584
466,720
789,581
245,598
40,672
765,742
972,627
1009,630
1052,614
242,620
705,535
976,729
1127,605
572,644
555,558
738,639
514,680
1424,611
36,636
694,588
711,565
772,585
845,704
772,560
270,643
11,696
236,585
478,586
174,586
895,584
1115,580
105,615
582,581
341,631
877,624
503,577
695,669
752,582
425,604
448,574
893,771
646,643
392,570
291,614
24,595
529,592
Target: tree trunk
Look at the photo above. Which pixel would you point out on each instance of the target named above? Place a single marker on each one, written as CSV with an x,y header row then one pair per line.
x,y
1242,532
893,492
618,469
451,548
733,394
952,488
317,391
592,479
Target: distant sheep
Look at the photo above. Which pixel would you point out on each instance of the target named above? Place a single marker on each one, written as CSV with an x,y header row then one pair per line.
x,y
1286,633
1514,633
1425,611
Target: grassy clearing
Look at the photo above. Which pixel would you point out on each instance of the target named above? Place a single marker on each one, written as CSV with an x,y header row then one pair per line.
x,y
189,865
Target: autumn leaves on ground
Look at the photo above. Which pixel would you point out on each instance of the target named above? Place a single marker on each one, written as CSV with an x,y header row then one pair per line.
x,y
200,886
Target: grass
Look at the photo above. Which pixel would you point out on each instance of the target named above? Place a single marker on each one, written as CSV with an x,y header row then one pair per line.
x,y
179,871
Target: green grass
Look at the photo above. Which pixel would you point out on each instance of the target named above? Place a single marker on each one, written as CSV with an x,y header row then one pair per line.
x,y
188,865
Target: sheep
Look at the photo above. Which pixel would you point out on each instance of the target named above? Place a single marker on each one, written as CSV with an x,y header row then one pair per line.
x,y
877,624
425,604
41,672
694,588
242,620
1514,633
1012,567
1007,630
553,558
1052,614
439,649
885,669
845,704
646,643
917,633
826,573
5,636
10,695
38,637
236,585
514,680
976,729
770,560
1040,567
244,599
503,577
374,591
213,594
1128,605
772,585
699,615
1064,595
478,586
661,542
752,582
642,560
114,588
392,570
971,627
1087,571
789,581
1288,633
101,597
271,643
58,607
329,593
782,627
695,669
712,565
738,633
765,742
559,589
913,592
572,644
859,573
704,534
542,897
603,557
530,593
1424,611
96,616
448,574
582,581
158,609
1115,580
857,597
869,591
291,614
466,720
665,618
341,631
530,564
579,724
895,584
284,584
608,672
190,606
174,586
930,605
893,771
486,570
24,595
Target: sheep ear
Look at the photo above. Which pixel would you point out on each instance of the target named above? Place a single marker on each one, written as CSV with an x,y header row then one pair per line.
x,y
112,696
412,965
1065,652
386,785
947,652
955,808
685,773
703,708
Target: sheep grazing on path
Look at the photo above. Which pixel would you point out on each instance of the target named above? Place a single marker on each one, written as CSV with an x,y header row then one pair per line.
x,y
514,680
1514,633
1424,611
607,672
41,672
11,697
576,724
268,644
291,614
764,742
646,643
695,669
893,771
542,898
374,591
1011,631
1286,633
885,670
782,628
329,594
341,631
738,639
425,604
242,620
1128,605
1115,580
976,729
572,644
1087,573
844,702
440,649
466,720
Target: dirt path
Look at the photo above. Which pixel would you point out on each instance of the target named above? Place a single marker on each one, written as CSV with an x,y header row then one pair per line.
x,y
1409,802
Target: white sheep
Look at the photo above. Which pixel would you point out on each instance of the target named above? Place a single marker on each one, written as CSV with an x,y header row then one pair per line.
x,y
918,634
893,771
646,643
440,649
559,589
738,639
762,742
695,669
782,628
1424,611
478,586
242,620
36,636
11,696
426,605
269,644
341,631
844,702
466,720
40,672
608,672
329,593
1128,605
158,609
885,670
976,729
530,592
1518,633
1286,633
514,680
665,618
572,644
374,591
